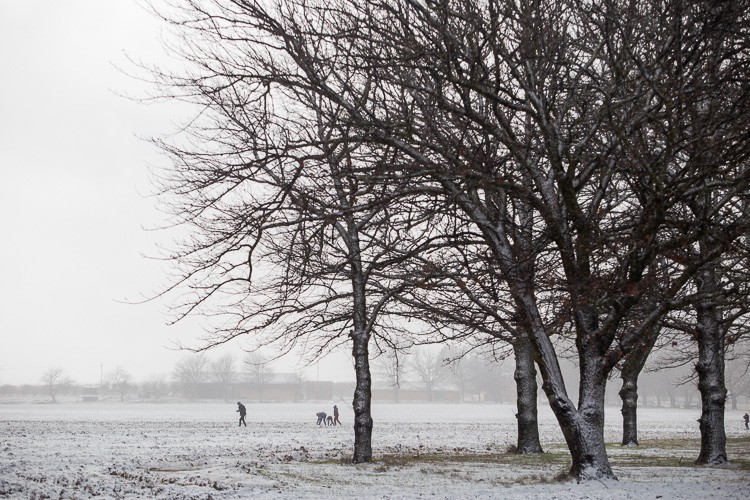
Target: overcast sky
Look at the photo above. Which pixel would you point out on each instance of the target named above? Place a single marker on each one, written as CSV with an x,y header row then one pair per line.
x,y
74,174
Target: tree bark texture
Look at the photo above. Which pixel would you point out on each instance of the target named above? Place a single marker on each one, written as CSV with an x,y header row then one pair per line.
x,y
583,428
629,396
631,370
710,369
584,435
362,400
526,401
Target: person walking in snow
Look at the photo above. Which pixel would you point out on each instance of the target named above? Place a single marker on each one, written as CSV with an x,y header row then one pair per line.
x,y
747,419
336,415
243,411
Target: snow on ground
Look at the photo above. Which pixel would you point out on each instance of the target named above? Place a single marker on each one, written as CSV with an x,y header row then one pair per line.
x,y
196,450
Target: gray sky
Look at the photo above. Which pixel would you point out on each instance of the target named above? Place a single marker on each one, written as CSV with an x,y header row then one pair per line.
x,y
74,171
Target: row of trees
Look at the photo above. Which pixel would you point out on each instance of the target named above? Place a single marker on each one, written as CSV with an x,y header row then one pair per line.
x,y
535,178
425,369
473,377
188,373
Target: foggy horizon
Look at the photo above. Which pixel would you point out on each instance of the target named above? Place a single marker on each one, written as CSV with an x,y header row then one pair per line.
x,y
331,368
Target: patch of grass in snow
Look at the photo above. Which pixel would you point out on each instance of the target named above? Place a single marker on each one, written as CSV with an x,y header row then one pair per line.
x,y
636,460
740,443
651,453
669,444
675,453
536,468
385,462
549,458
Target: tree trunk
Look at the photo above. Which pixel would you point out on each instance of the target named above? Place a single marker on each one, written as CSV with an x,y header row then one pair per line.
x,y
710,369
362,400
631,370
360,351
526,401
583,428
584,432
523,349
629,396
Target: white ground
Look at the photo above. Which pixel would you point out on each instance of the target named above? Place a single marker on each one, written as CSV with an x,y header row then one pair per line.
x,y
196,450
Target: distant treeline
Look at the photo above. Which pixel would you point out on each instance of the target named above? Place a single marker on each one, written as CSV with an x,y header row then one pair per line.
x,y
664,388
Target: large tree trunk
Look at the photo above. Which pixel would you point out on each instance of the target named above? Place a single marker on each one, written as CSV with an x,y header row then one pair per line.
x,y
583,428
584,433
526,401
362,400
710,369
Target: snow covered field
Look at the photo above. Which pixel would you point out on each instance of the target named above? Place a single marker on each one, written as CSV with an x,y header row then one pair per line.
x,y
196,450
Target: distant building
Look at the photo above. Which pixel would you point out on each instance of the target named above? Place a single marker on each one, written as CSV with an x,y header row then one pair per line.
x,y
90,393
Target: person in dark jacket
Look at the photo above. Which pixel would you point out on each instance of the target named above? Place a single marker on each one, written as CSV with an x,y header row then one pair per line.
x,y
747,420
336,415
243,412
321,417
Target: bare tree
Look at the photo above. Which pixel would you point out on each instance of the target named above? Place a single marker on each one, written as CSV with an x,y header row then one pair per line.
x,y
391,366
156,387
298,379
119,380
224,374
630,371
557,122
560,131
458,370
427,368
55,381
457,292
737,381
286,194
261,372
190,373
